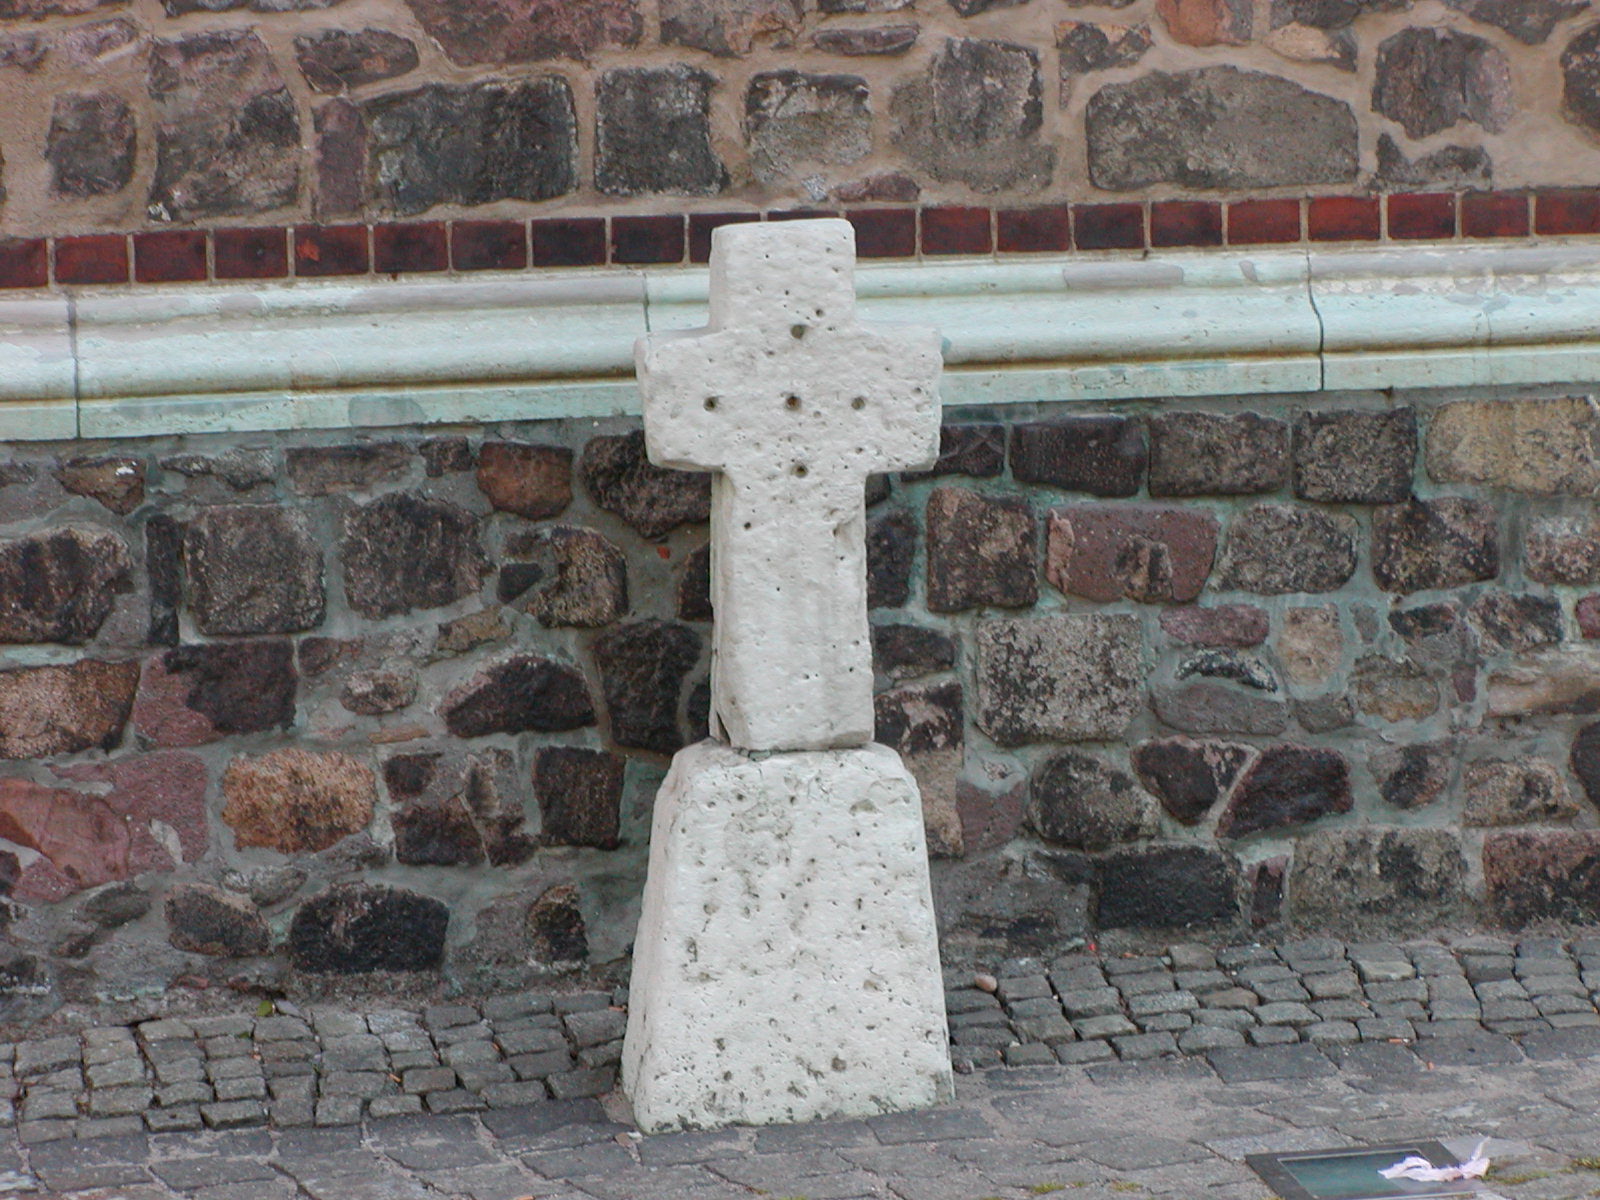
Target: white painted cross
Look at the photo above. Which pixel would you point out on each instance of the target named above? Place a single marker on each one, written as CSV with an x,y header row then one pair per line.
x,y
794,403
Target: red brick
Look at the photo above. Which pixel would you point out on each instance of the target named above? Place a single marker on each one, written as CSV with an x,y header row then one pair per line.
x,y
1185,223
489,245
1343,219
1415,216
1108,226
24,263
410,246
647,239
1032,230
701,225
884,232
250,253
1567,210
569,242
96,258
1263,222
330,250
1494,214
170,256
956,230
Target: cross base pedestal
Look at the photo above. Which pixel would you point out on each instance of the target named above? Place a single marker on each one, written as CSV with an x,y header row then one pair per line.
x,y
787,964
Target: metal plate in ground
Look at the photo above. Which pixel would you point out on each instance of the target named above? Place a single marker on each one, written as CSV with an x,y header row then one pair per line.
x,y
1352,1173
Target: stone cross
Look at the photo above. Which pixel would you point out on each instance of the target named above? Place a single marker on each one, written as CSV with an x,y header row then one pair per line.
x,y
793,403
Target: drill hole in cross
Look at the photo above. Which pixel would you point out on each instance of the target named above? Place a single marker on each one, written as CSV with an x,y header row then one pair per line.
x,y
797,331
800,470
711,404
859,402
792,403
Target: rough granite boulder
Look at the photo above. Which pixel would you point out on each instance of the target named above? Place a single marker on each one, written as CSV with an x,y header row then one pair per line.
x,y
1401,876
60,585
355,928
1068,678
296,801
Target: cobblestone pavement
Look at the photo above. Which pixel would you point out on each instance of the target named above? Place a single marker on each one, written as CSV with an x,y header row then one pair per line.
x,y
1127,1075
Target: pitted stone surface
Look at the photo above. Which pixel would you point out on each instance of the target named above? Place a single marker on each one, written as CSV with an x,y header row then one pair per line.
x,y
764,989
774,396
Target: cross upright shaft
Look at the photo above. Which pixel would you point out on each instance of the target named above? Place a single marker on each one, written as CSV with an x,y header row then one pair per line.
x,y
793,403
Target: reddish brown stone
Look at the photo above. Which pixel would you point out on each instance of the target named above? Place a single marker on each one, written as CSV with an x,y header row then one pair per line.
x,y
523,693
1237,625
1435,544
891,546
513,31
166,789
557,935
1413,776
60,586
1539,875
294,800
1286,786
331,250
207,920
924,725
694,586
1505,621
62,710
1562,549
92,258
441,455
591,584
1207,22
1108,552
197,694
981,550
1215,454
117,483
329,470
1585,761
80,836
337,59
580,796
1521,791
1189,777
374,692
1587,611
531,481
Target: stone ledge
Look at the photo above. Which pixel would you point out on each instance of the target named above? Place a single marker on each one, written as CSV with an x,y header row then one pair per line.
x,y
216,358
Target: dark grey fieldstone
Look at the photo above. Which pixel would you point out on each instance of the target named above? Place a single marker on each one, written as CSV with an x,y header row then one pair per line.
x,y
1328,14
356,928
526,692
1218,127
643,666
227,129
580,796
1580,68
357,466
335,60
1274,549
1089,46
60,585
1440,543
796,123
1414,776
910,651
1404,875
1081,801
90,145
1287,785
652,499
208,920
253,569
1167,886
1464,167
1585,761
1217,454
982,550
1533,875
1355,457
891,549
238,687
974,117
1430,79
1529,21
404,551
729,28
472,144
1102,455
653,133
518,31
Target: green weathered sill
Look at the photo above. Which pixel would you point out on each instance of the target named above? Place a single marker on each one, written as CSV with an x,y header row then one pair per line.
x,y
308,355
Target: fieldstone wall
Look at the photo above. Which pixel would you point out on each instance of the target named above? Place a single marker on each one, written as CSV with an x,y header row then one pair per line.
x,y
288,708
146,115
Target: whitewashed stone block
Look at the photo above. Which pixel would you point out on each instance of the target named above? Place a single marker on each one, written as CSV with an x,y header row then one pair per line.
x,y
786,967
793,403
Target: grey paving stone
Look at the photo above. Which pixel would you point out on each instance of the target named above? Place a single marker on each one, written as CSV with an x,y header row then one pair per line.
x,y
1233,997
1151,1003
1023,987
1340,1010
1231,957
1381,1059
1285,1014
226,1025
165,1030
1238,1019
1134,1047
181,1119
928,1125
1202,1038
1138,964
119,1101
1201,982
1256,1064
1091,1002
1562,1043
1145,983
1335,986
41,1105
210,1170
457,1100
1031,1055
1329,1033
31,1132
1273,1035
46,1055
1113,1025
280,1029
1381,1029
338,1110
1572,1020
966,1000
1171,1022
580,1002
592,1027
1283,991
1039,1006
1191,956
476,1078
1470,1050
233,1114
1073,1053
1385,970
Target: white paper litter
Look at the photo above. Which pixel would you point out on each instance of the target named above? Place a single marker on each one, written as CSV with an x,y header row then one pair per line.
x,y
1420,1169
